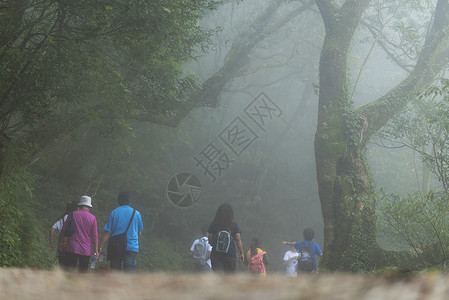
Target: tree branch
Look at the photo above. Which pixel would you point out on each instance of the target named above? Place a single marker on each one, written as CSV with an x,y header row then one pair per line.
x,y
238,58
432,59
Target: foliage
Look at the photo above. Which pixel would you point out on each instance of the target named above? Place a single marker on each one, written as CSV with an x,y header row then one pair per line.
x,y
67,68
424,128
159,254
20,238
94,59
416,222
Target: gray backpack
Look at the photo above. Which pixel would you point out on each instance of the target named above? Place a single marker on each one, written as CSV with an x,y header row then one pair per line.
x,y
305,258
200,253
223,241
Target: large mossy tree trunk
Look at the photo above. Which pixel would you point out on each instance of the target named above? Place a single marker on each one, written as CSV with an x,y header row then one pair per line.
x,y
343,182
345,187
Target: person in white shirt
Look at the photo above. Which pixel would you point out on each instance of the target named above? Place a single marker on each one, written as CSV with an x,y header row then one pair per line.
x,y
204,266
70,207
291,261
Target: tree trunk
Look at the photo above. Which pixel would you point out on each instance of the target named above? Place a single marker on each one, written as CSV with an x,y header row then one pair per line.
x,y
345,187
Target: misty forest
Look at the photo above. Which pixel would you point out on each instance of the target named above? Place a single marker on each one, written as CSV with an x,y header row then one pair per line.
x,y
328,114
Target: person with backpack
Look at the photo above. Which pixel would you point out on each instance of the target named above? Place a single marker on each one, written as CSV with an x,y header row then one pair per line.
x,y
200,253
256,259
80,229
70,207
308,251
123,229
224,237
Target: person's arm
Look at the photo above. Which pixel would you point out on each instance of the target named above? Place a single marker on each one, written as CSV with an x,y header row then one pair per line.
x,y
52,233
191,248
245,260
288,243
210,236
265,259
318,263
209,250
96,253
238,241
104,239
95,239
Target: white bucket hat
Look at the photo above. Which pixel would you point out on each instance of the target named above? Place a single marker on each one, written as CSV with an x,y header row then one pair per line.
x,y
85,200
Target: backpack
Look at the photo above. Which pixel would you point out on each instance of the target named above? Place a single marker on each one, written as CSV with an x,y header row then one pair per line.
x,y
200,253
223,241
256,265
305,259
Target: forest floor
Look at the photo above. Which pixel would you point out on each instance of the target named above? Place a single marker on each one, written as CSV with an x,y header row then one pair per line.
x,y
58,285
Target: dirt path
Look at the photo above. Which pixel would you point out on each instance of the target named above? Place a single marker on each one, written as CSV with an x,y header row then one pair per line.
x,y
57,285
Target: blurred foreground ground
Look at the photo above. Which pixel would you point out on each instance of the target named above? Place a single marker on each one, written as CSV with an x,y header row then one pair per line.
x,y
57,285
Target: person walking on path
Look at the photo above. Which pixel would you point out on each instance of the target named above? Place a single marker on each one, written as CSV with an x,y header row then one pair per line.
x,y
57,226
224,237
200,253
124,224
308,251
78,249
291,261
256,259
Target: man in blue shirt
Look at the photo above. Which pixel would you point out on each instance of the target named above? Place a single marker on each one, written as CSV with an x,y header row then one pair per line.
x,y
305,248
123,221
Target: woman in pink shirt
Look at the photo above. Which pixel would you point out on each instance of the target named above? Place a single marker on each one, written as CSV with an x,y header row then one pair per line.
x,y
83,239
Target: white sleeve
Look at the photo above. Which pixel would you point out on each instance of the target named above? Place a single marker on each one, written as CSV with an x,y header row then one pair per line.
x,y
58,225
193,245
55,226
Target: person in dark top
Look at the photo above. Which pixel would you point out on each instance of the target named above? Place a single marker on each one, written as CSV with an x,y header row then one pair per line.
x,y
224,254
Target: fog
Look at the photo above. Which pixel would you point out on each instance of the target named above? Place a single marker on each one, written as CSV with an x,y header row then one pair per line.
x,y
272,183
248,134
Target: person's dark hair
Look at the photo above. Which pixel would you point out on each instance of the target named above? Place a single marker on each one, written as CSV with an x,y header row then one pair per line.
x,y
308,234
70,206
124,198
255,243
224,218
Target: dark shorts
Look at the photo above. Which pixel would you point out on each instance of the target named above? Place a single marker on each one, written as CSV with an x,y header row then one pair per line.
x,y
224,264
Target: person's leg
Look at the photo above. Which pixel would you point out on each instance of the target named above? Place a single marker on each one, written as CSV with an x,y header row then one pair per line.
x,y
205,268
201,268
83,263
229,264
129,261
61,261
116,264
70,261
217,264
